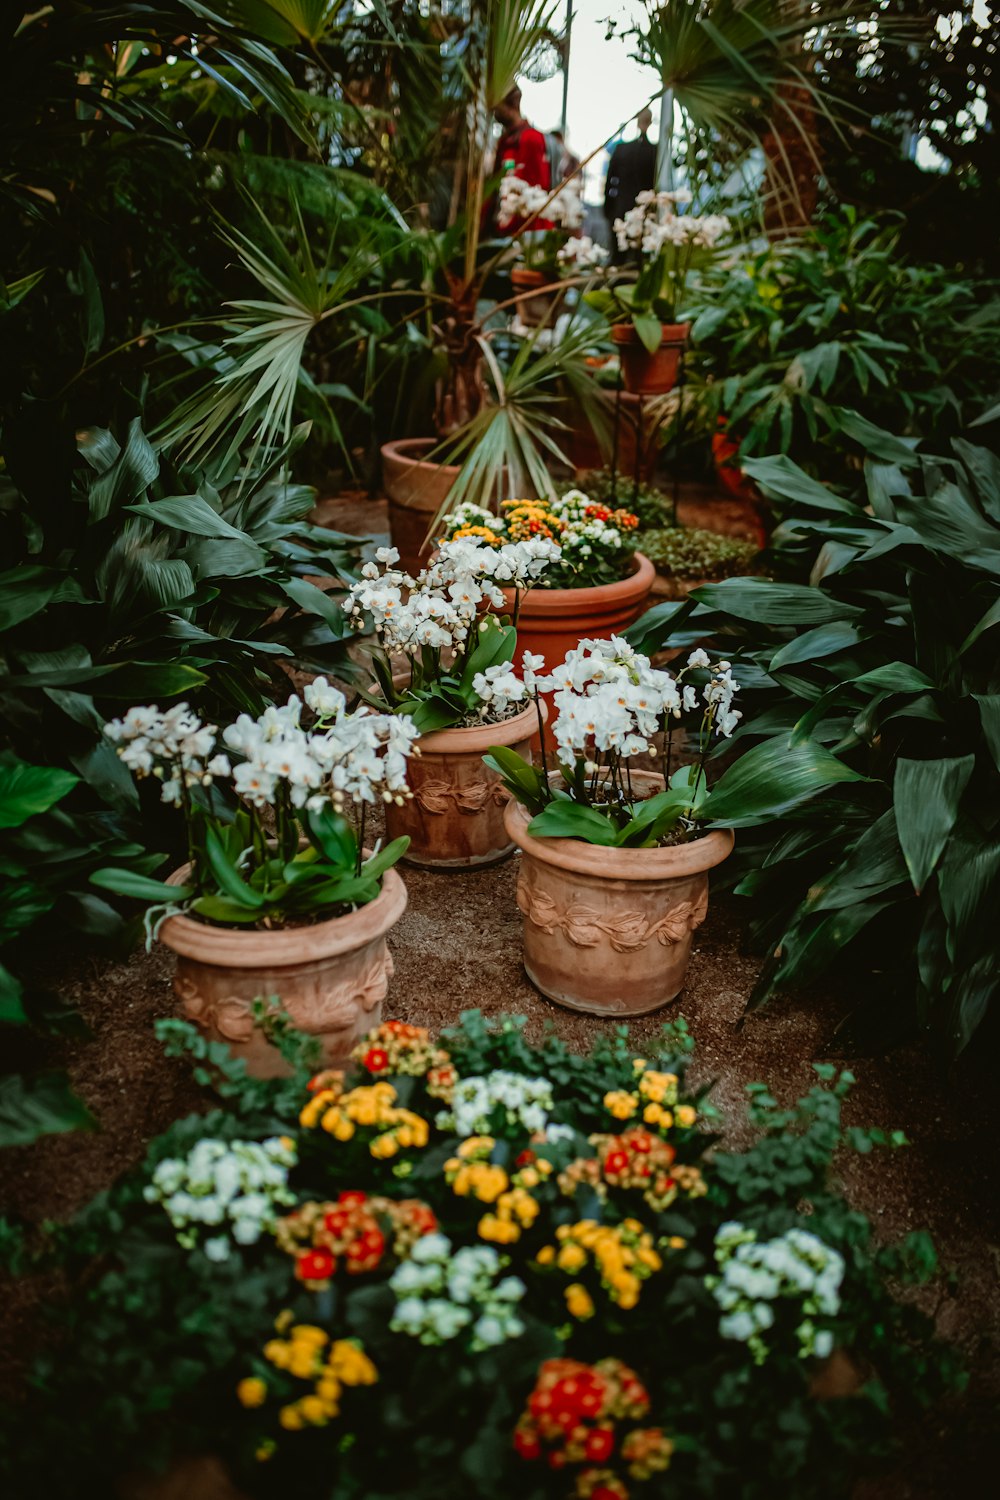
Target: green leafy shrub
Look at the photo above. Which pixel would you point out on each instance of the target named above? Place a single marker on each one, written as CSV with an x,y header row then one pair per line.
x,y
688,552
209,1315
804,346
888,661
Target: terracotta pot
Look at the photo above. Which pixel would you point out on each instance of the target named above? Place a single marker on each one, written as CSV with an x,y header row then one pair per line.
x,y
537,306
731,477
584,451
551,622
648,374
416,489
331,977
455,817
608,931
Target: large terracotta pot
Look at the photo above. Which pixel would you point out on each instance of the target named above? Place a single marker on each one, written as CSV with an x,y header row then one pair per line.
x,y
608,931
416,489
455,817
584,451
648,374
551,622
331,977
535,306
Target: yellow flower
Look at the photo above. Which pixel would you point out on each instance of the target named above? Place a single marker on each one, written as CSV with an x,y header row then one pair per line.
x,y
529,1178
313,1411
302,1362
685,1115
251,1392
308,1333
579,1302
351,1364
620,1104
652,1114
277,1352
328,1389
499,1231
639,1065
649,1258
546,1255
291,1418
571,1258
676,1242
265,1451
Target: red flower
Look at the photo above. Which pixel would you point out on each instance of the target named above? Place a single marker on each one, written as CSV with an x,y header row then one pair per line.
x,y
599,1444
615,1162
376,1059
336,1221
525,1158
527,1444
315,1265
350,1199
605,1492
641,1142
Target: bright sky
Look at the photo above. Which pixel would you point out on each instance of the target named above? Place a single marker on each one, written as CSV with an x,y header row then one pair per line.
x,y
605,86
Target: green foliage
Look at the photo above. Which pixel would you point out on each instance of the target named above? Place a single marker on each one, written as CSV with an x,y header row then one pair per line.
x,y
145,1356
807,344
887,665
688,553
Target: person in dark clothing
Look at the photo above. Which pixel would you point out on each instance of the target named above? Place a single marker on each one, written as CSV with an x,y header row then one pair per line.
x,y
631,171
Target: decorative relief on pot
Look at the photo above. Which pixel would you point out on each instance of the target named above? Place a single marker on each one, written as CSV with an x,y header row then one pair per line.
x,y
317,1002
585,926
435,795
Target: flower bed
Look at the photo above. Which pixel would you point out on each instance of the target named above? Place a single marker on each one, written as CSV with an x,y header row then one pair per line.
x,y
480,1267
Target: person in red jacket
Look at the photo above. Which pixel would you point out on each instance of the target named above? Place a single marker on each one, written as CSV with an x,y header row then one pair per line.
x,y
521,152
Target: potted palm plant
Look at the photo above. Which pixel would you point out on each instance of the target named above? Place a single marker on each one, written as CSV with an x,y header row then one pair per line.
x,y
279,895
457,688
615,860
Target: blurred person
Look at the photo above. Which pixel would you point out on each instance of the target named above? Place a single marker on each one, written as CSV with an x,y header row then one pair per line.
x,y
567,162
631,171
521,152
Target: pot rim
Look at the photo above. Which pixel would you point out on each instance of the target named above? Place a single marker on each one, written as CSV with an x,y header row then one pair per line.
x,y
607,596
475,738
672,333
233,948
602,863
407,450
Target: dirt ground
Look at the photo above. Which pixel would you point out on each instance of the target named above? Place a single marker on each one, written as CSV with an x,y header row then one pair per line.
x,y
458,945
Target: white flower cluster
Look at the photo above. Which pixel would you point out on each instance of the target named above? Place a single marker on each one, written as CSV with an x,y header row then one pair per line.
x,y
439,608
441,1292
359,756
582,254
176,747
525,1103
755,1274
609,698
498,690
652,223
233,1185
519,200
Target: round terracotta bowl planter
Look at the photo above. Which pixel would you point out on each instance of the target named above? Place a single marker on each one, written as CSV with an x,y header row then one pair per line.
x,y
646,374
416,489
455,818
608,931
535,305
331,977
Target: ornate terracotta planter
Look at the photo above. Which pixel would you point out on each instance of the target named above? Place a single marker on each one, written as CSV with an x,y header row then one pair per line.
x,y
455,817
648,374
331,977
416,489
551,622
535,306
608,931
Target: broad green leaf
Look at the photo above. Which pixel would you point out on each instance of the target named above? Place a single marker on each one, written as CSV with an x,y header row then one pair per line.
x,y
27,790
128,883
780,477
989,713
895,677
875,439
43,1105
24,591
875,864
570,820
12,1012
824,640
986,622
218,909
926,796
189,513
150,680
226,873
772,778
316,601
968,1001
969,886
333,836
649,329
770,603
386,857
